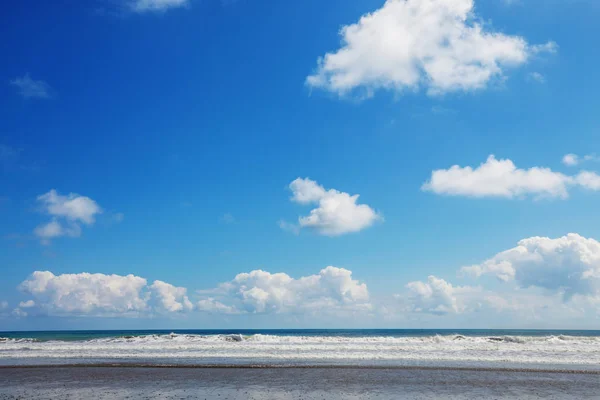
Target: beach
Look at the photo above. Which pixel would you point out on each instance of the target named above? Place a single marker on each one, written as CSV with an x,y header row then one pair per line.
x,y
78,382
306,364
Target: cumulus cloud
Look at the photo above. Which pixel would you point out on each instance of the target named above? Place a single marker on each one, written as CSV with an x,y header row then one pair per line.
x,y
569,265
436,296
337,213
171,298
68,213
31,89
439,45
332,290
87,294
156,5
501,178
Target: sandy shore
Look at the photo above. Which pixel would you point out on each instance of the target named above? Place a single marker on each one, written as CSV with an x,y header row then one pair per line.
x,y
290,383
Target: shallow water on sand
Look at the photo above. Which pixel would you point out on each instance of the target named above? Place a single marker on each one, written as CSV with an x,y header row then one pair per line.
x,y
290,383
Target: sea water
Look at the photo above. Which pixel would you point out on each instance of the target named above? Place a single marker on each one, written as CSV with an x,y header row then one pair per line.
x,y
525,349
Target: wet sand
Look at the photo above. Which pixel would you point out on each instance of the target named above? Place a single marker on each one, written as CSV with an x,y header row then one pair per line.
x,y
291,383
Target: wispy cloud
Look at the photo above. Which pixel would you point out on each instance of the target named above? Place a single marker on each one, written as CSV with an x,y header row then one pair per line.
x,y
32,89
68,214
536,77
142,6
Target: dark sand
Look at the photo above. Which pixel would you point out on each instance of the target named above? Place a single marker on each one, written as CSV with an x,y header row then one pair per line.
x,y
291,383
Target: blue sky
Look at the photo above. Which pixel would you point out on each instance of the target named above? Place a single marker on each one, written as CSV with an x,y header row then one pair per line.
x,y
182,125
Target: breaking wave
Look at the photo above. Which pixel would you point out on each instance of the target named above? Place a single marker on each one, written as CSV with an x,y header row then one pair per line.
x,y
307,350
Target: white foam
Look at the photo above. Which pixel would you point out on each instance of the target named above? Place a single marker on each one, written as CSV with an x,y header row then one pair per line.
x,y
562,349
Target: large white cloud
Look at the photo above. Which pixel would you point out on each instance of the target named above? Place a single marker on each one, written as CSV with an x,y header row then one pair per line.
x,y
337,213
407,44
68,213
437,296
332,290
569,265
86,294
502,178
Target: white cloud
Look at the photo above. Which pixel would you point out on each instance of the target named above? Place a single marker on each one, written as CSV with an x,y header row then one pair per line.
x,y
501,178
436,296
440,45
87,294
588,180
332,290
54,229
569,265
171,298
30,89
68,213
27,304
156,5
570,159
73,207
338,212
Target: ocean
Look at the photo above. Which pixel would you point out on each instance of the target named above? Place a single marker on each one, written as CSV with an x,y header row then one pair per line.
x,y
398,348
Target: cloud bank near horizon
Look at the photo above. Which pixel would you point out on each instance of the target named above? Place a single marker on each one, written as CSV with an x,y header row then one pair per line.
x,y
537,276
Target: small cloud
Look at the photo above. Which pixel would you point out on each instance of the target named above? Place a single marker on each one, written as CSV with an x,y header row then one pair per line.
x,y
27,304
548,47
337,213
118,217
536,77
288,227
142,6
32,89
572,160
227,218
68,214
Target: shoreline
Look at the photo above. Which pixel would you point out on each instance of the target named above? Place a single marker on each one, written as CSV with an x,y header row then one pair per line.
x,y
303,367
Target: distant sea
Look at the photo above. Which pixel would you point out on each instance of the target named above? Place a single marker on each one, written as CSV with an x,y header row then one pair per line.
x,y
503,349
